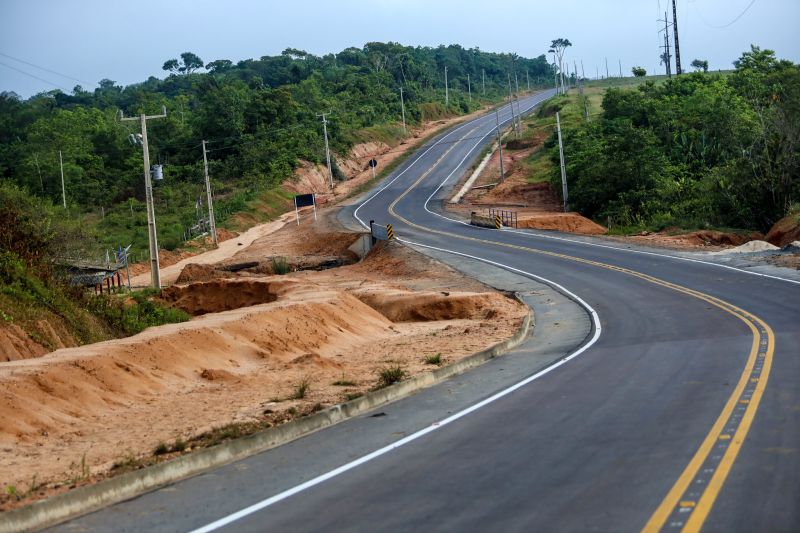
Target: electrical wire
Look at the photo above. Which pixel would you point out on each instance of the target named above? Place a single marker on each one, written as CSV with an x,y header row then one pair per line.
x,y
35,77
45,69
731,23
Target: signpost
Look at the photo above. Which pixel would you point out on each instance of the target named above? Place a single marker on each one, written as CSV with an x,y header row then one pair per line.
x,y
372,164
304,200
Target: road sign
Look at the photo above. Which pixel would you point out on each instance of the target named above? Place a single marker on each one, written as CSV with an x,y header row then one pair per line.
x,y
373,163
303,200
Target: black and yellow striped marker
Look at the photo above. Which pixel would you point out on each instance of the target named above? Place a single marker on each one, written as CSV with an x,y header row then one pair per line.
x,y
497,222
390,231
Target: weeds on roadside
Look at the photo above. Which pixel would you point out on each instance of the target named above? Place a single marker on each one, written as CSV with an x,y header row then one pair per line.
x,y
343,383
435,359
300,390
389,376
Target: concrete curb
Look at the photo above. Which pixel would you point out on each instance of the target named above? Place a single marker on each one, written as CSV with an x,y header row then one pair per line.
x,y
123,487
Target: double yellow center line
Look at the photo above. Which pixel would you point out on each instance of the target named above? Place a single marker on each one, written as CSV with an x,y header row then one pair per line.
x,y
688,503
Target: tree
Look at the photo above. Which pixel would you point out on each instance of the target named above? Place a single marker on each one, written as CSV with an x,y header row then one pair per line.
x,y
220,65
559,46
189,63
700,64
639,72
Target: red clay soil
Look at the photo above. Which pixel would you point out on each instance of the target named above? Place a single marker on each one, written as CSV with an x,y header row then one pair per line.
x,y
785,231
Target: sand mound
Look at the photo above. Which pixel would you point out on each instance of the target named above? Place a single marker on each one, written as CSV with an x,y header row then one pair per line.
x,y
748,248
404,306
566,222
45,394
785,231
223,295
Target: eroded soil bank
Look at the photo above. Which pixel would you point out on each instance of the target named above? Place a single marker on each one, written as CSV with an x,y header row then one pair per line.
x,y
261,349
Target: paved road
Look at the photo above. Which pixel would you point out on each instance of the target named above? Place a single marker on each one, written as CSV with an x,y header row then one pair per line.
x,y
679,406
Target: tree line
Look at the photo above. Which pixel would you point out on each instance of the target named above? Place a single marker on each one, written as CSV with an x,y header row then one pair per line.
x,y
259,116
699,150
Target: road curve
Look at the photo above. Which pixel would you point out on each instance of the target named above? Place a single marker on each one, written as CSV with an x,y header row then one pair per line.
x,y
680,411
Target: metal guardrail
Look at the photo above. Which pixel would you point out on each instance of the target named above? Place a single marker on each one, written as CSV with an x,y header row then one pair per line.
x,y
507,218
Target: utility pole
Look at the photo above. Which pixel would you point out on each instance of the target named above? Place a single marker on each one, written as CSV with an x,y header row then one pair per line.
x,y
327,148
528,79
580,88
666,58
563,167
678,69
155,274
63,191
516,97
607,76
446,89
403,110
499,143
555,72
469,88
212,223
483,80
511,101
620,67
583,72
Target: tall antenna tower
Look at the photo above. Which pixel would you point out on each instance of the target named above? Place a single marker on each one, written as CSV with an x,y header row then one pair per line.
x,y
678,70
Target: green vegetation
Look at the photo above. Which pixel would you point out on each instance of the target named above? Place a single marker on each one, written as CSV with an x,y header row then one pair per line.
x,y
435,359
697,151
389,376
258,116
343,383
35,296
280,265
300,390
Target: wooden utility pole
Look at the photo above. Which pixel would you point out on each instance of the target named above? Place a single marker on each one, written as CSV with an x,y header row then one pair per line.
x,y
403,110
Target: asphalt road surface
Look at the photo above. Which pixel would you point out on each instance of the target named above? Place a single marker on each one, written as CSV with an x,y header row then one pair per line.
x,y
674,404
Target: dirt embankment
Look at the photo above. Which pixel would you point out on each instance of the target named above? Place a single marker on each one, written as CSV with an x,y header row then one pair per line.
x,y
535,205
785,231
261,349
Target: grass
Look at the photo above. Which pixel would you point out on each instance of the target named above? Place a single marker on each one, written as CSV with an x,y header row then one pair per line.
x,y
343,383
280,265
389,376
300,390
435,359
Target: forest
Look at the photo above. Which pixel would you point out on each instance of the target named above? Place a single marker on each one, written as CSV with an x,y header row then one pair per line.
x,y
258,116
698,151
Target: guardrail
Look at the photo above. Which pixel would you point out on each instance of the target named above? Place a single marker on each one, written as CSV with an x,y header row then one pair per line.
x,y
507,218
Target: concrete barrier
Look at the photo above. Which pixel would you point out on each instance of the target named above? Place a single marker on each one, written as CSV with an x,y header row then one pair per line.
x,y
482,221
123,487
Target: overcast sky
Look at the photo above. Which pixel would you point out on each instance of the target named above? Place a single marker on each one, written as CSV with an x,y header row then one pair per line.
x,y
128,41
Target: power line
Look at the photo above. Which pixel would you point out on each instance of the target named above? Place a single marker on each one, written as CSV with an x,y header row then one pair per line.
x,y
45,69
48,82
731,23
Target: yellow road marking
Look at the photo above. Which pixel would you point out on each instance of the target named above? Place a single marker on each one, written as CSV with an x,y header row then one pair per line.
x,y
703,508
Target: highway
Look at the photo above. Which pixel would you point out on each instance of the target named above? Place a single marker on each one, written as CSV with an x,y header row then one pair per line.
x,y
677,407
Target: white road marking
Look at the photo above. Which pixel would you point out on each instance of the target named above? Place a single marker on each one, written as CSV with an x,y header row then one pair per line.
x,y
222,522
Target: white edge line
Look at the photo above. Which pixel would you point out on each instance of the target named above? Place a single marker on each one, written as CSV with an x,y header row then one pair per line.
x,y
575,241
222,522
389,184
